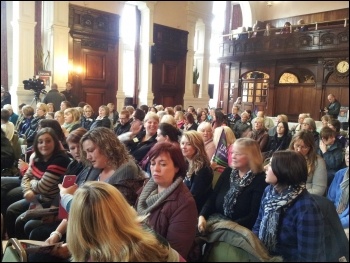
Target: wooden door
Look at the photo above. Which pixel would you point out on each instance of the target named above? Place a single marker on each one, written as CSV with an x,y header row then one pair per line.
x,y
254,94
94,49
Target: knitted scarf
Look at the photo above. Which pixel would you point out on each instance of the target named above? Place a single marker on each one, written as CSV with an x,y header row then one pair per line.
x,y
344,196
69,126
236,187
275,201
150,198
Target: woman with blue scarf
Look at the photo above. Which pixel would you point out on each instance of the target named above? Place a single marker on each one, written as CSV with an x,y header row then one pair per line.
x,y
290,223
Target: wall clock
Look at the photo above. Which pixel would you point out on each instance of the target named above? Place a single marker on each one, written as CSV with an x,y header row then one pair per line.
x,y
288,78
342,68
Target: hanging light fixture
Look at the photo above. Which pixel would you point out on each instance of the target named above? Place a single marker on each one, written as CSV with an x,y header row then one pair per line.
x,y
269,3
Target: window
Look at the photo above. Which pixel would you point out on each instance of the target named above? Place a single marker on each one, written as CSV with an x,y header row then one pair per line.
x,y
288,78
128,34
255,87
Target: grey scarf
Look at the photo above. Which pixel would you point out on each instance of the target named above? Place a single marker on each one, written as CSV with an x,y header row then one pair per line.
x,y
150,198
236,187
344,196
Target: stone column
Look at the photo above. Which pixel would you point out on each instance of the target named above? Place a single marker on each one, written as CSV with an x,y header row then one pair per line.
x,y
199,27
23,25
147,12
56,40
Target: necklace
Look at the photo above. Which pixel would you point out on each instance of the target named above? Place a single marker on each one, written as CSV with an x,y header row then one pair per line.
x,y
188,176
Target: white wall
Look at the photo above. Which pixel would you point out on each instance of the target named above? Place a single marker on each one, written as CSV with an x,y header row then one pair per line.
x,y
281,9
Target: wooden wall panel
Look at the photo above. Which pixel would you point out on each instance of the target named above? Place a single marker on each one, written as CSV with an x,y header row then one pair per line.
x,y
296,99
95,97
281,99
168,57
95,65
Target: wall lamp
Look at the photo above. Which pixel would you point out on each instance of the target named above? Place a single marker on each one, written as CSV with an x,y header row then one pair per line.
x,y
74,70
269,3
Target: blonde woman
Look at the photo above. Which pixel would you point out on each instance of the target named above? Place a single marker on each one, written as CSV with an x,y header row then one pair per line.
x,y
199,174
59,116
50,107
122,239
102,119
206,130
179,118
87,118
168,119
238,191
146,138
71,120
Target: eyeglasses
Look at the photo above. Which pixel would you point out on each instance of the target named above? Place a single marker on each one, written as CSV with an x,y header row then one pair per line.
x,y
88,111
301,147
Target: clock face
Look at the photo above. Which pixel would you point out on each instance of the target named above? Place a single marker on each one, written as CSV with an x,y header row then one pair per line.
x,y
342,66
288,78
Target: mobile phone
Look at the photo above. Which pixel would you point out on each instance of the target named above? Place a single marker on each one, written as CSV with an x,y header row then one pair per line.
x,y
68,180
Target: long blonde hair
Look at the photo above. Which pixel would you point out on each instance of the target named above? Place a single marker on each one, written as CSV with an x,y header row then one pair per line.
x,y
103,227
200,158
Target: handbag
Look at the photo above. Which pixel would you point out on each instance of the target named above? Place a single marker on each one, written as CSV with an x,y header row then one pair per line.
x,y
14,252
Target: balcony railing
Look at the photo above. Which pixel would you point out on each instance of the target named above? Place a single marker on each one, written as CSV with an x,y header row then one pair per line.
x,y
321,36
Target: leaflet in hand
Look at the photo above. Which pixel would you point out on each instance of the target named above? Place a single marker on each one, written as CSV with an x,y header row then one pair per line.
x,y
32,246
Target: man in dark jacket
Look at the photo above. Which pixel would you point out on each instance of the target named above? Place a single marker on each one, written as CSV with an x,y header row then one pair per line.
x,y
5,97
124,125
55,97
333,107
72,98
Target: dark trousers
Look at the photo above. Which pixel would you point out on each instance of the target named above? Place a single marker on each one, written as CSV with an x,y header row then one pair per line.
x,y
11,192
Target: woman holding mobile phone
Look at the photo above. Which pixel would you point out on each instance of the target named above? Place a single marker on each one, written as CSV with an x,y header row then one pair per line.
x,y
40,181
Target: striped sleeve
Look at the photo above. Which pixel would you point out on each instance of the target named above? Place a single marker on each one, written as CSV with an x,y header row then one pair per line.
x,y
27,178
48,184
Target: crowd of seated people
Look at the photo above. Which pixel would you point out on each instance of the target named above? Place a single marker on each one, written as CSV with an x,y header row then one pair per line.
x,y
164,166
260,29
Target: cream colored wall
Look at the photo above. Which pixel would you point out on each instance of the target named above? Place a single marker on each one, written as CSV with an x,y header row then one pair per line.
x,y
280,9
171,13
114,7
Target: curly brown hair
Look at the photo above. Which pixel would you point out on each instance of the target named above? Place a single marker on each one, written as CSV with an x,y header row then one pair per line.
x,y
108,144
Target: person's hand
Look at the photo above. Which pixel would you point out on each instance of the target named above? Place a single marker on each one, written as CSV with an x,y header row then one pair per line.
x,y
61,252
52,239
202,224
213,165
29,196
323,146
136,127
22,165
69,190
